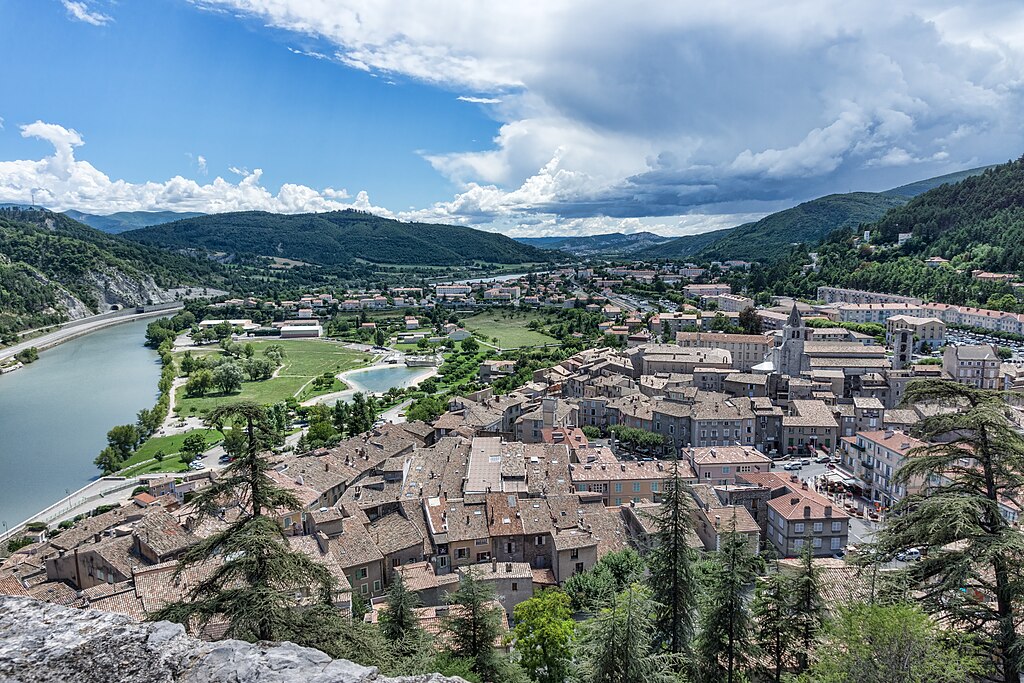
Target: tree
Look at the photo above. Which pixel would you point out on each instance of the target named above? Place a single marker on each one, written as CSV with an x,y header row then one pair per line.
x,y
882,643
723,646
361,415
398,623
473,625
123,439
749,321
544,635
617,645
261,368
109,460
775,633
591,432
199,382
228,377
254,577
380,337
192,446
147,421
671,566
470,345
973,554
807,609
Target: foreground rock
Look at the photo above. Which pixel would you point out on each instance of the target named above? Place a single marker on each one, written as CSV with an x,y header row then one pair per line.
x,y
41,642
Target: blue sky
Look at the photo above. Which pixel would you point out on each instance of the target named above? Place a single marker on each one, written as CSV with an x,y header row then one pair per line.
x,y
574,117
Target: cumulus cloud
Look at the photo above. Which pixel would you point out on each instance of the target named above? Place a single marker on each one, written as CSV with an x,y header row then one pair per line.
x,y
79,11
201,164
61,181
653,108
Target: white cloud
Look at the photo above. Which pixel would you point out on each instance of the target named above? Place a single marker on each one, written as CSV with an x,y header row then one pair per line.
x,y
479,100
653,107
61,181
201,164
81,12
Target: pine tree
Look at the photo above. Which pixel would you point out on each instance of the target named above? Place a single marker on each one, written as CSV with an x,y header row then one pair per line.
x,y
723,646
973,554
671,567
808,611
254,575
617,645
776,633
398,623
473,625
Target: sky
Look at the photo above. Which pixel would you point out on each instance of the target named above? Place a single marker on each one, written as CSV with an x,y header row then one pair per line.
x,y
555,117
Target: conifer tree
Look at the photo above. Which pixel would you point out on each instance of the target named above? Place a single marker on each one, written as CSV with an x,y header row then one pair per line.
x,y
617,645
473,625
807,609
254,575
398,623
724,644
671,567
776,633
973,570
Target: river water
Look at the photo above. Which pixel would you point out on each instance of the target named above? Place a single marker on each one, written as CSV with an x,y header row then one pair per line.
x,y
55,413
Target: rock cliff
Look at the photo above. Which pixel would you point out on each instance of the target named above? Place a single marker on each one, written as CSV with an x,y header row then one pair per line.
x,y
41,642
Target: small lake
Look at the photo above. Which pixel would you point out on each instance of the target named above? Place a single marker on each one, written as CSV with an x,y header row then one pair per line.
x,y
55,413
378,379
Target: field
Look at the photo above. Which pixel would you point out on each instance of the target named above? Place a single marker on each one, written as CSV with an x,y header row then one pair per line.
x,y
511,333
169,446
305,359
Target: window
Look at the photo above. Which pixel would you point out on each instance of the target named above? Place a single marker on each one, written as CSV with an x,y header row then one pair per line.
x,y
515,586
376,586
461,553
618,502
362,573
798,528
364,589
574,553
836,543
483,557
579,567
510,548
540,540
837,526
817,542
636,487
480,541
725,469
707,475
396,562
654,487
798,544
442,561
817,527
618,487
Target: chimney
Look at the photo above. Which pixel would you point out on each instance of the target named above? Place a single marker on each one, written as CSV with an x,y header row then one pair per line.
x,y
807,511
508,567
718,521
494,565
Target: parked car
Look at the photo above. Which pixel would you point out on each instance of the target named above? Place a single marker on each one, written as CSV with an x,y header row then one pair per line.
x,y
795,465
805,462
909,555
822,459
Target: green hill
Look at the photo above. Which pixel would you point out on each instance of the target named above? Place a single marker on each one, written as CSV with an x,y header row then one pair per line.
x,y
808,223
611,244
53,268
336,238
129,220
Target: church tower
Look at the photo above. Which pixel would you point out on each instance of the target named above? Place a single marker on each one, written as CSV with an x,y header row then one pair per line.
x,y
794,335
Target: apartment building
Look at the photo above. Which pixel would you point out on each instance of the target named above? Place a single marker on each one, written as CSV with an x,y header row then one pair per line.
x,y
746,350
833,295
799,515
727,302
810,426
698,291
975,366
874,457
719,465
930,331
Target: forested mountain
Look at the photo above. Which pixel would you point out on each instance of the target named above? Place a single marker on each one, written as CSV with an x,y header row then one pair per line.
x,y
774,235
129,220
977,223
612,244
336,238
53,268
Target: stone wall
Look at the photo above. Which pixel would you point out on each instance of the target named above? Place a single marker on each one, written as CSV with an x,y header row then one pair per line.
x,y
41,642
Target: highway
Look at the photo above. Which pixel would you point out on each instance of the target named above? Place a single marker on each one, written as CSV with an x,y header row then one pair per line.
x,y
76,328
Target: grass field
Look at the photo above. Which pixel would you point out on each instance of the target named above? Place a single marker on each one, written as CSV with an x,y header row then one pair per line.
x,y
170,446
305,359
512,333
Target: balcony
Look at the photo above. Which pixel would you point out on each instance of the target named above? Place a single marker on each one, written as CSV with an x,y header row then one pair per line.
x,y
867,465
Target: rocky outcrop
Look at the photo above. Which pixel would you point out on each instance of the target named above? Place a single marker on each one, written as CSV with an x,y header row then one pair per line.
x,y
41,642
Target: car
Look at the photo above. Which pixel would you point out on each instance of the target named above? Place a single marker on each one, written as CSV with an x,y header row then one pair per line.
x,y
795,465
822,459
909,555
805,462
197,465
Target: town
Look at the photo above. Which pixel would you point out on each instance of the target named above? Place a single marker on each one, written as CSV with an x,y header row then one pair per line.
x,y
785,422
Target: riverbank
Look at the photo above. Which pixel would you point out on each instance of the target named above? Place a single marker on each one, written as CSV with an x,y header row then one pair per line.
x,y
54,415
79,328
352,379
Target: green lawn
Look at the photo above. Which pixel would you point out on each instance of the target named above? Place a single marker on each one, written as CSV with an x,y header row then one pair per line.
x,y
304,360
170,446
512,333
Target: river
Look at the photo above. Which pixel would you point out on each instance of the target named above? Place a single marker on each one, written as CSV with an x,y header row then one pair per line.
x,y
55,413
